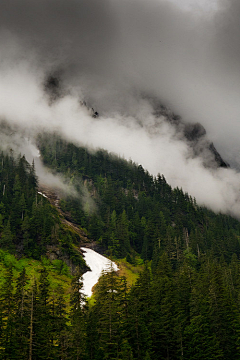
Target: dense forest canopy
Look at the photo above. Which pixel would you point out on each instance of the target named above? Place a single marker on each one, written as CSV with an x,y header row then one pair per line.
x,y
184,304
133,210
29,225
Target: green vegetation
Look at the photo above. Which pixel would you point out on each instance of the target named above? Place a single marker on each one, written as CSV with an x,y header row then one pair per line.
x,y
129,271
29,225
129,211
185,302
58,271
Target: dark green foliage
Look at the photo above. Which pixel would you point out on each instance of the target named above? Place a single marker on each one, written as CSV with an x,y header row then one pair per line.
x,y
184,305
110,314
78,319
26,219
128,209
28,222
187,313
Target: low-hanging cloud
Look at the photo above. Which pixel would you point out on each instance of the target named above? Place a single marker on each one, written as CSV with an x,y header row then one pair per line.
x,y
116,56
15,140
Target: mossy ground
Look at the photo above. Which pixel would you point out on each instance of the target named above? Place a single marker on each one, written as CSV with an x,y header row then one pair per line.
x,y
130,271
58,272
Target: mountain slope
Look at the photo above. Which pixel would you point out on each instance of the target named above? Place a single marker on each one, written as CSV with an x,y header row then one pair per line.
x,y
127,210
185,303
29,225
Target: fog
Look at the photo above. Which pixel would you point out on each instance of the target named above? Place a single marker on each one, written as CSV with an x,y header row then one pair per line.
x,y
118,57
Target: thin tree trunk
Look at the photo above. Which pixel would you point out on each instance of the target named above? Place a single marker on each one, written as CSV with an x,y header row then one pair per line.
x,y
31,330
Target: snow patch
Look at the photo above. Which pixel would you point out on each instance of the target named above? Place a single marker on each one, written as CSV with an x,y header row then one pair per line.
x,y
40,193
97,264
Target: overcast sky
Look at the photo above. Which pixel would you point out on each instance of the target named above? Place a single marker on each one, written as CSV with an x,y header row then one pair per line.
x,y
116,54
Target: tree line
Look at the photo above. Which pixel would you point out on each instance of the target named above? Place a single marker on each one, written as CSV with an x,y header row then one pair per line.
x,y
188,312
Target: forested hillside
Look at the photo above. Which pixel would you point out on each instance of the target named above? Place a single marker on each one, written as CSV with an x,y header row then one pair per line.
x,y
127,210
29,225
184,305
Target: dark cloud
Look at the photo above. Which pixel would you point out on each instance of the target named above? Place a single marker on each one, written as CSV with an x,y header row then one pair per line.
x,y
75,34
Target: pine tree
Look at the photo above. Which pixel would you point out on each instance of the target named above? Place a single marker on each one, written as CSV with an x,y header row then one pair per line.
x,y
140,315
6,240
7,316
21,318
42,329
109,309
78,319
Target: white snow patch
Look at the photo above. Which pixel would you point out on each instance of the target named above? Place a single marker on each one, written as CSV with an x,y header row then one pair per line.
x,y
97,264
40,193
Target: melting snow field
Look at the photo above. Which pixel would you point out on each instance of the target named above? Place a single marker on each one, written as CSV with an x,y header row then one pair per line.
x,y
97,264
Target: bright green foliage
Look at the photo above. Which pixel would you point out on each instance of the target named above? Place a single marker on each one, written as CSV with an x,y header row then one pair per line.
x,y
21,317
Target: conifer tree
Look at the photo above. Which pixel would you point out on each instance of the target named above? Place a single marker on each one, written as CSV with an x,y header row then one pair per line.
x,y
43,333
78,318
7,315
109,308
21,318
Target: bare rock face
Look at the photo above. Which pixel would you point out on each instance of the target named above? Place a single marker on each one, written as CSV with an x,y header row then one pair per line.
x,y
218,158
53,87
194,134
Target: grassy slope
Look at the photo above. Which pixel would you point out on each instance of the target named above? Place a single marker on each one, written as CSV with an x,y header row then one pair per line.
x,y
128,270
56,275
